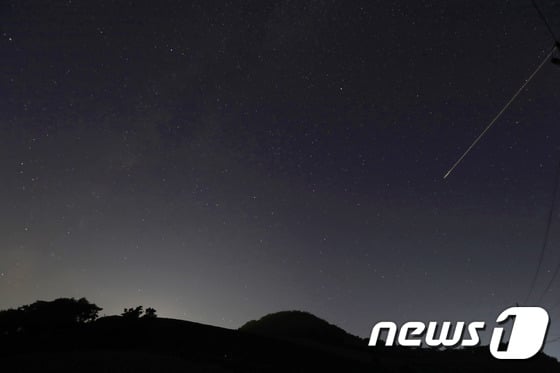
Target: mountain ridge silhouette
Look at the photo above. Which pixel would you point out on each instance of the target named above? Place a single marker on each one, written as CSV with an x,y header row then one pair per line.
x,y
287,341
299,324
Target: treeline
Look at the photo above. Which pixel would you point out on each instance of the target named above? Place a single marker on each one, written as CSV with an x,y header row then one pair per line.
x,y
58,314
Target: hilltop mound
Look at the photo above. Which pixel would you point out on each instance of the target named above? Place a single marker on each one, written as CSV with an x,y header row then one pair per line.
x,y
302,326
59,337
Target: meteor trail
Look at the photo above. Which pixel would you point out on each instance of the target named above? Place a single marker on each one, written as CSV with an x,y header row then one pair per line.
x,y
500,113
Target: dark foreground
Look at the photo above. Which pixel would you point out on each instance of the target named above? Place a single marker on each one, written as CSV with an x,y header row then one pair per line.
x,y
285,342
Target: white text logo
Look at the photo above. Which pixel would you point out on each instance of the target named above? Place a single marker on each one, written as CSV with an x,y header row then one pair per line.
x,y
526,338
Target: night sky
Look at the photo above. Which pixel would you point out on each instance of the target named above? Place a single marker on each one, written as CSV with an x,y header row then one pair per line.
x,y
223,160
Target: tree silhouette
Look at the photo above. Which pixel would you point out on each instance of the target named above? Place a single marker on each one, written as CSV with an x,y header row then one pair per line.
x,y
133,313
42,315
85,311
150,313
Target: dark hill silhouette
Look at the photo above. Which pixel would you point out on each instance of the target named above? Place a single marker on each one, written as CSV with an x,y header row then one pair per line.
x,y
303,327
151,344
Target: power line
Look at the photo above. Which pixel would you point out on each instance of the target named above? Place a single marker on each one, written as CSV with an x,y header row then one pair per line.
x,y
545,21
546,236
499,113
549,285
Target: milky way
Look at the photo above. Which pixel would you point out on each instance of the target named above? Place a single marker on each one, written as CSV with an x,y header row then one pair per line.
x,y
220,160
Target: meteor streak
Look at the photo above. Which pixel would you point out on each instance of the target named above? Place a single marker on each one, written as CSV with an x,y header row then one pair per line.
x,y
499,113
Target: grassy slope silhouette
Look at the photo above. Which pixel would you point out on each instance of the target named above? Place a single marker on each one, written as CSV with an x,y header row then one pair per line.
x,y
290,341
